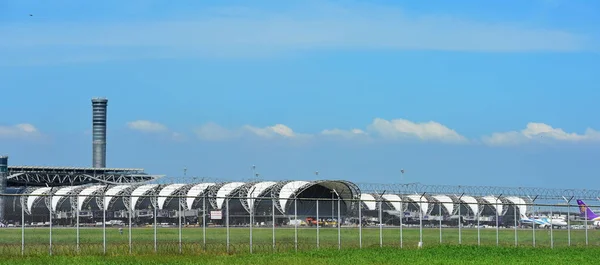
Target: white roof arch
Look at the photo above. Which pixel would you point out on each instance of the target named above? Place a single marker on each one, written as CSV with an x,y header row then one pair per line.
x,y
496,203
257,190
141,190
394,200
108,195
288,189
167,191
196,191
60,194
225,191
419,201
446,201
87,192
472,203
519,203
369,201
34,196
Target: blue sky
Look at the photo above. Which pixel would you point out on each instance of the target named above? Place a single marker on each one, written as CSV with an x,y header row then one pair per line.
x,y
455,92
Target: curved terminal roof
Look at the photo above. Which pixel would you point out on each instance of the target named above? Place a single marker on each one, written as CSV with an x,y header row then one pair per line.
x,y
496,203
288,190
108,195
394,200
369,201
472,203
519,203
196,191
166,192
225,191
258,190
140,191
83,195
60,194
419,201
35,195
446,201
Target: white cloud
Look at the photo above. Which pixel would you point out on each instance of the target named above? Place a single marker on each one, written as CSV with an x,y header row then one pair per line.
x,y
18,131
244,32
278,130
155,128
147,126
214,132
346,134
539,132
427,131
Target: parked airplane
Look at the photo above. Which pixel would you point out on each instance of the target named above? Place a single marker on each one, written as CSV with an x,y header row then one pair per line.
x,y
543,221
591,216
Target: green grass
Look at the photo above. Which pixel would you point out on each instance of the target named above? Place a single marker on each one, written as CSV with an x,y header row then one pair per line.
x,y
91,246
428,255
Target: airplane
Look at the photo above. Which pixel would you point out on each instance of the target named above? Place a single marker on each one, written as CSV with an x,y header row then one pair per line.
x,y
591,216
543,221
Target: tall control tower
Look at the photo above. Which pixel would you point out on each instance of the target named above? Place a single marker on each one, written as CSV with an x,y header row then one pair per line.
x,y
99,132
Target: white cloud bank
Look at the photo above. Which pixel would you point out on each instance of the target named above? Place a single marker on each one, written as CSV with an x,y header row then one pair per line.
x,y
379,128
18,131
214,132
245,32
146,126
426,131
539,132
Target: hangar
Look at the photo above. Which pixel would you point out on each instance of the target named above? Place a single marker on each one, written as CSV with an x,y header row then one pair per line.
x,y
281,201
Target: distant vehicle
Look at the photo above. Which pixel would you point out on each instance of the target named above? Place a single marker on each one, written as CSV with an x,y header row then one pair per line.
x,y
312,221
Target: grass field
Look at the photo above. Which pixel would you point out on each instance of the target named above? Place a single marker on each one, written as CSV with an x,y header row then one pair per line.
x,y
429,255
193,250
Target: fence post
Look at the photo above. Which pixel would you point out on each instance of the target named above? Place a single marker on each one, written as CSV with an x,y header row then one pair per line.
x,y
318,223
440,216
380,224
568,218
460,220
273,209
77,222
204,221
401,217
497,222
104,206
586,227
227,221
359,223
478,225
533,221
154,204
251,218
516,230
50,208
179,217
421,220
22,225
551,230
339,223
130,226
296,224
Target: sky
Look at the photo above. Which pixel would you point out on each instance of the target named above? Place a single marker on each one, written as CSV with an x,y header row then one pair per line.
x,y
498,93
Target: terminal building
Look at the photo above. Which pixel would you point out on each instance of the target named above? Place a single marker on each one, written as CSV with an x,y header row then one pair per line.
x,y
99,192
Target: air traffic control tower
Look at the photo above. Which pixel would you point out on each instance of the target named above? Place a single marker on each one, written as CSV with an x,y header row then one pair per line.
x,y
99,132
3,180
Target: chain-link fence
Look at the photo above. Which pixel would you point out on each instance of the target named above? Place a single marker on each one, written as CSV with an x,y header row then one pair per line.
x,y
97,223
